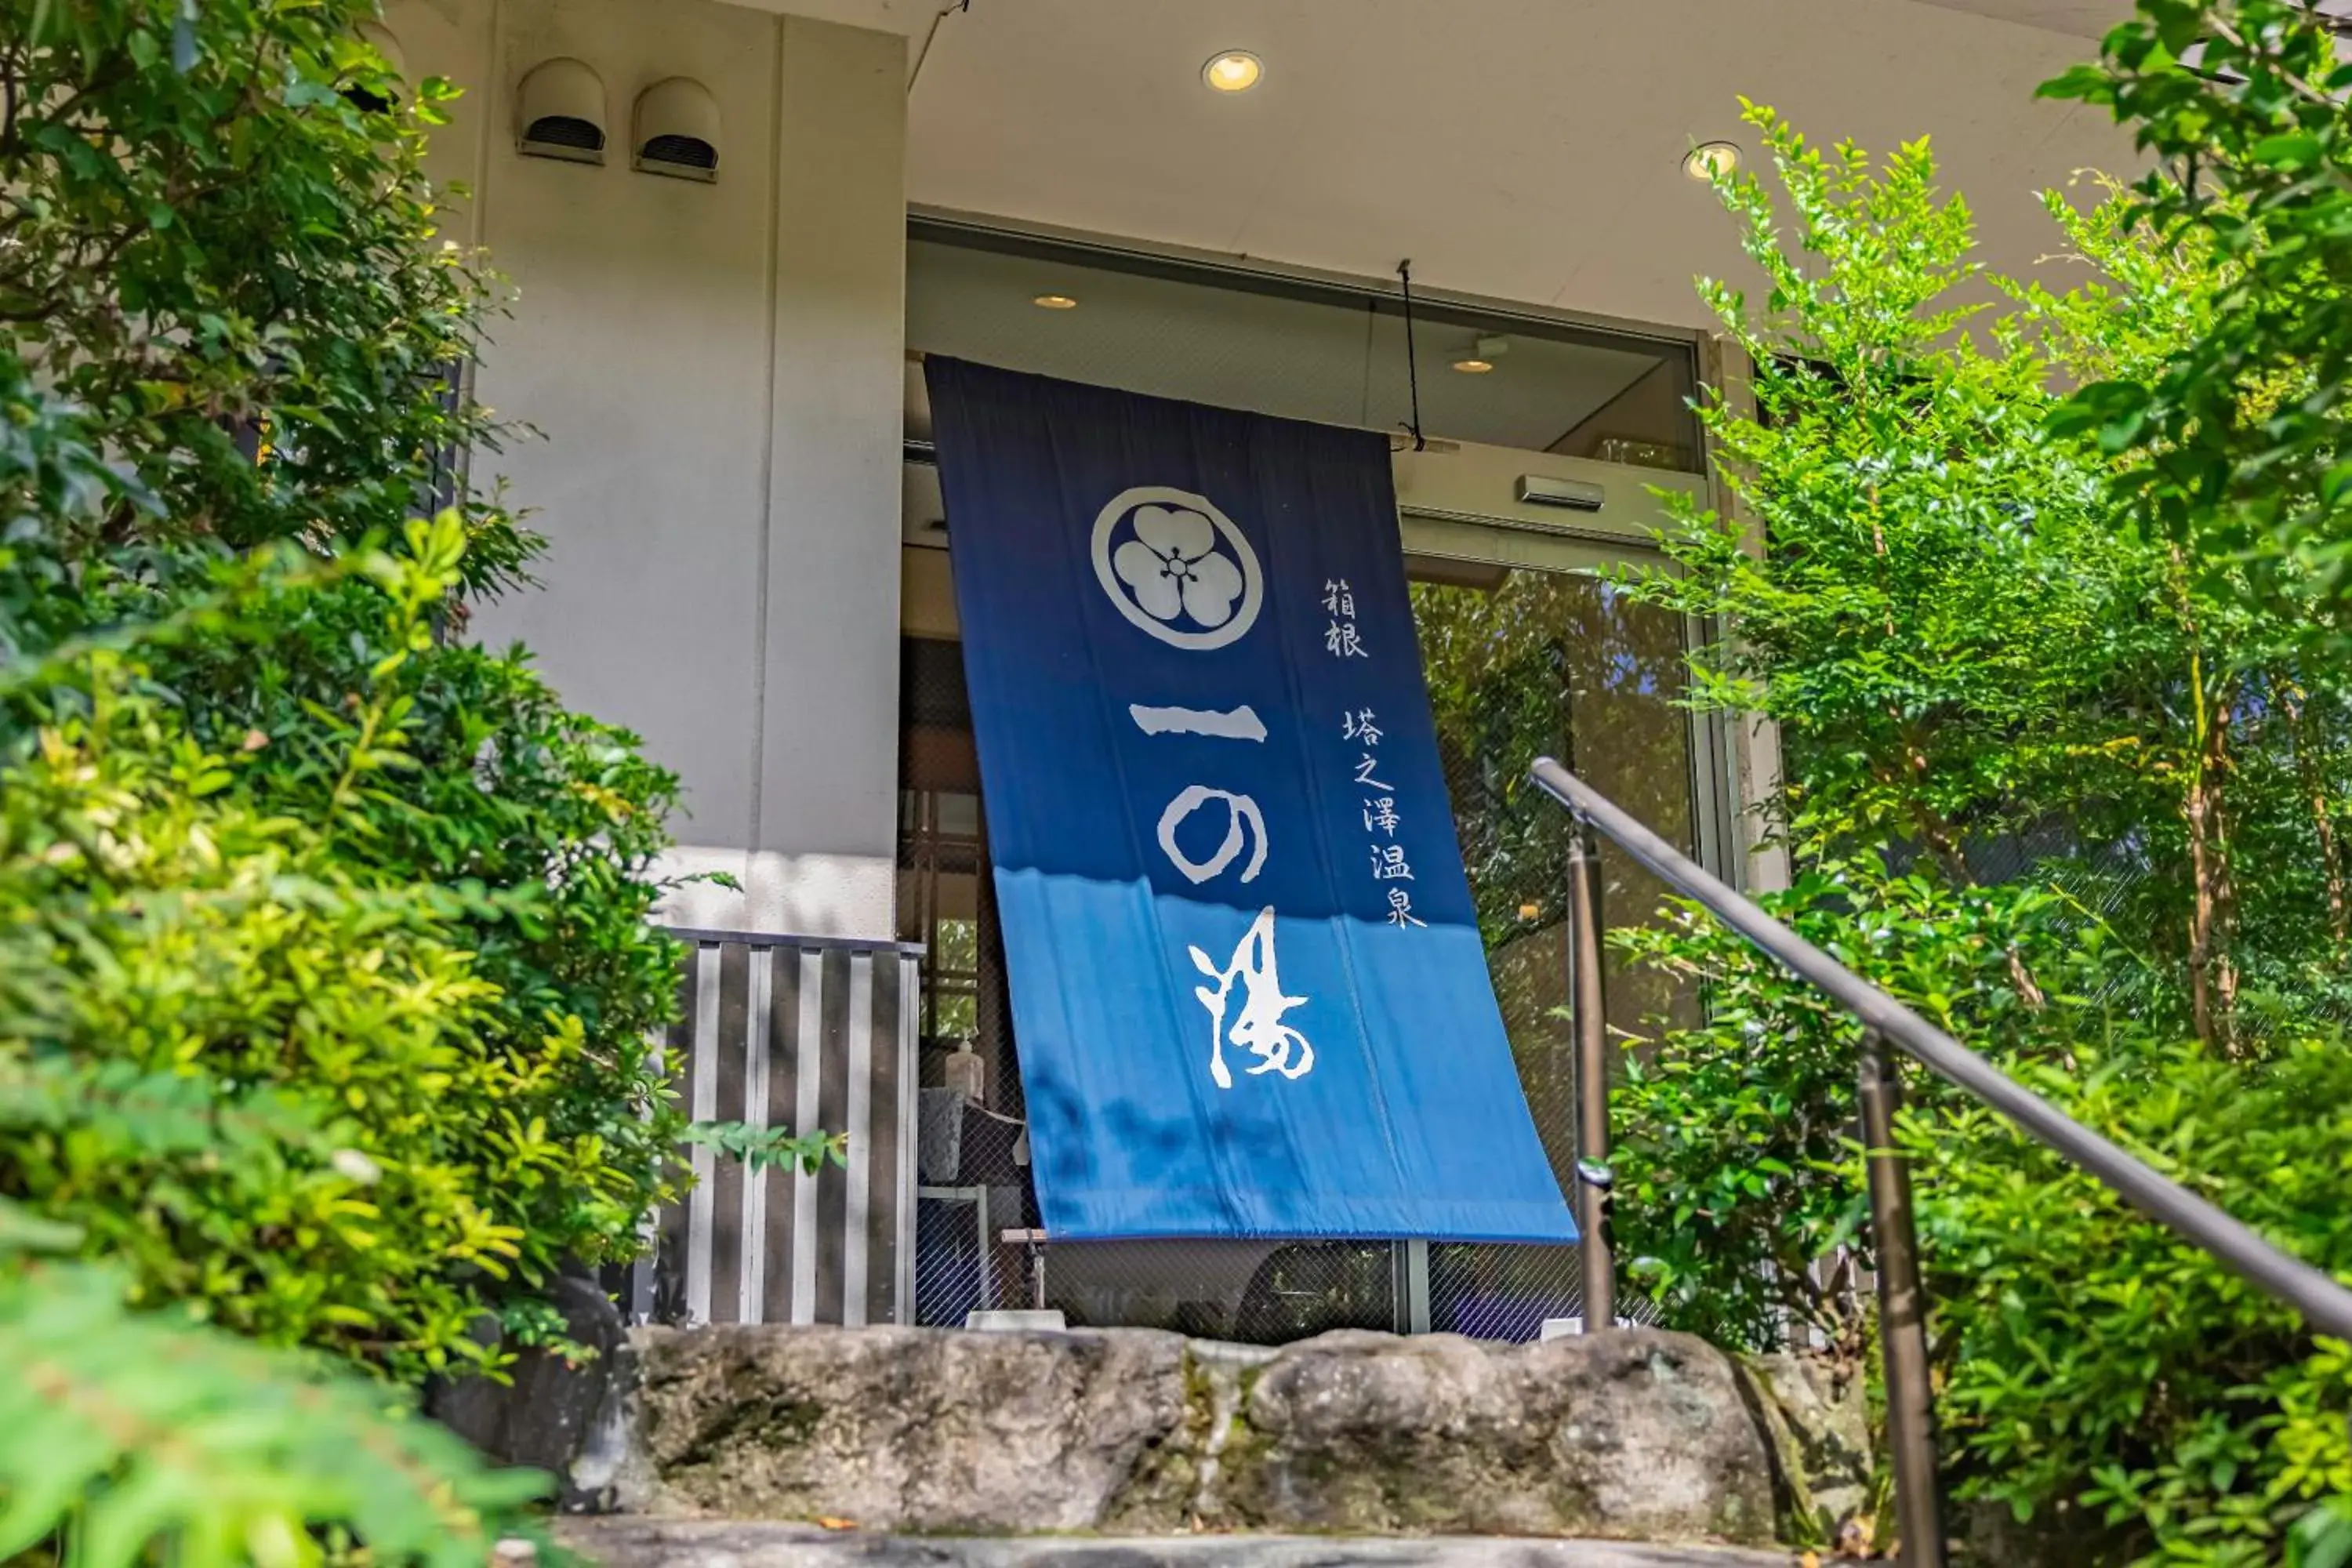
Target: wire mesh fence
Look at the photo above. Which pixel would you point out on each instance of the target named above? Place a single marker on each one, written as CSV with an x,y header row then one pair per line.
x,y
1250,1293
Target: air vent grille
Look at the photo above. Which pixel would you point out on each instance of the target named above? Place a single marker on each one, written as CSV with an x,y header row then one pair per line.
x,y
561,135
683,152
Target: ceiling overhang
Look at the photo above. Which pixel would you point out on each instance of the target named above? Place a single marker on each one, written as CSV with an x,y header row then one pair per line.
x,y
1528,150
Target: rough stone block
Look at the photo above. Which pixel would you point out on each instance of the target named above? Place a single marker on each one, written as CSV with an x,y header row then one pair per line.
x,y
1635,1434
1818,1419
931,1429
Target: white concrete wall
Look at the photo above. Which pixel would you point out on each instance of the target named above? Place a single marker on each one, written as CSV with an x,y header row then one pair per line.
x,y
715,375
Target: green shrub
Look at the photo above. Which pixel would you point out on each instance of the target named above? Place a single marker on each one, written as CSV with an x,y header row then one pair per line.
x,y
2096,1361
203,1027
544,822
356,828
2091,1367
170,931
153,917
1737,1171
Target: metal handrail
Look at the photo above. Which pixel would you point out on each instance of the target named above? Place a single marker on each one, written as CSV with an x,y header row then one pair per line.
x,y
2323,1304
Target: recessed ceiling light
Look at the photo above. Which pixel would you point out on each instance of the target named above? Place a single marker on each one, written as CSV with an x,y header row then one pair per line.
x,y
1473,366
1711,160
1236,71
1055,302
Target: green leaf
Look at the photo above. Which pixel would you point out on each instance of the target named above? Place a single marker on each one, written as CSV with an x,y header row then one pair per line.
x,y
2286,150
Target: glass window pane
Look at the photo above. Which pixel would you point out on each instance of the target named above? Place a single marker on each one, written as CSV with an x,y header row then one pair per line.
x,y
1523,664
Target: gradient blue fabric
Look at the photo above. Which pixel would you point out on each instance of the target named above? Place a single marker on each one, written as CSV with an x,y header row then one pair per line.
x,y
1248,991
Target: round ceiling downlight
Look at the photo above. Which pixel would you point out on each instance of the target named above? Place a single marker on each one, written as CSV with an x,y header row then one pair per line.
x,y
1236,71
1710,161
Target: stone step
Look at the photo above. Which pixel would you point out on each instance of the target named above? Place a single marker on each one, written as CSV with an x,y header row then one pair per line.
x,y
635,1543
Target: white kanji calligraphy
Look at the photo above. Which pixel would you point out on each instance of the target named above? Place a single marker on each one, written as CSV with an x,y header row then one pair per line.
x,y
1240,812
1240,723
1380,816
1338,599
1389,864
1401,909
1364,773
1259,1028
1359,726
1340,641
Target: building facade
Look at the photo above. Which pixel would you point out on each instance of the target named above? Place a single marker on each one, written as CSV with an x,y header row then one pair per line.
x,y
735,232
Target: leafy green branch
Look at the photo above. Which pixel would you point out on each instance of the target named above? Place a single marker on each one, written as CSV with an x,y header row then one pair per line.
x,y
766,1148
127,1437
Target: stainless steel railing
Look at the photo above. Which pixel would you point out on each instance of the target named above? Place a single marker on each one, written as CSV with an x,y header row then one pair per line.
x,y
2323,1304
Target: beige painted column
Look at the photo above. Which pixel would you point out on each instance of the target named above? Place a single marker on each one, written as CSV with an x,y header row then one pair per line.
x,y
712,374
823,844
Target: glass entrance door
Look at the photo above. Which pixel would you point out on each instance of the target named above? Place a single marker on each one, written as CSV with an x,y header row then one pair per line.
x,y
1522,661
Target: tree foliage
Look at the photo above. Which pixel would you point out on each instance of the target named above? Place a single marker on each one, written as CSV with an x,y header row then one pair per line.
x,y
2234,446
217,238
2070,784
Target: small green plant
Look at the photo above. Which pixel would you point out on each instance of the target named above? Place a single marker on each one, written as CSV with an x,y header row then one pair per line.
x,y
767,1148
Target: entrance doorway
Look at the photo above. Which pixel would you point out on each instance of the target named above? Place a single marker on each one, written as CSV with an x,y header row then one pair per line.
x,y
1528,649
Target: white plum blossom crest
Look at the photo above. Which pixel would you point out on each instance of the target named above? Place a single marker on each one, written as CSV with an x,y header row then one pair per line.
x,y
1172,567
1176,567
